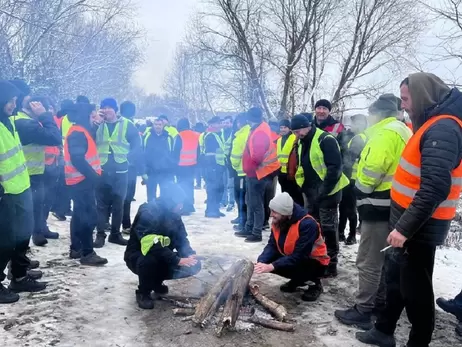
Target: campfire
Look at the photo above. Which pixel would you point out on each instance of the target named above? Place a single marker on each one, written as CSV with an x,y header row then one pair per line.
x,y
230,300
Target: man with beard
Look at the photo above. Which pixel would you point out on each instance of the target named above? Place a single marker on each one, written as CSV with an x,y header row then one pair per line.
x,y
326,122
296,248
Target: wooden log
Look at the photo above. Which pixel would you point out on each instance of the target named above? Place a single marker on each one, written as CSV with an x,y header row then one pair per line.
x,y
177,297
182,304
272,324
187,319
211,301
274,308
232,308
183,311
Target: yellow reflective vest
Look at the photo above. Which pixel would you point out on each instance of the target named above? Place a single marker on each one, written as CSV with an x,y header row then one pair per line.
x,y
284,151
116,142
171,131
14,177
219,155
201,142
227,141
238,147
34,154
65,126
317,162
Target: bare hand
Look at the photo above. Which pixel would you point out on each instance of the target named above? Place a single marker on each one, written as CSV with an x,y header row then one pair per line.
x,y
37,108
188,262
261,268
396,239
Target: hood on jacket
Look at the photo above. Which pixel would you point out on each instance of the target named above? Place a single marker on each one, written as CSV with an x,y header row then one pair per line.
x,y
7,92
427,91
80,113
450,105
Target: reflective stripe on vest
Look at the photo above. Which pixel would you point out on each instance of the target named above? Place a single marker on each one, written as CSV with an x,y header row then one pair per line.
x,y
270,161
406,182
318,164
14,177
284,151
72,175
319,251
117,142
238,147
354,169
219,155
51,155
188,153
34,154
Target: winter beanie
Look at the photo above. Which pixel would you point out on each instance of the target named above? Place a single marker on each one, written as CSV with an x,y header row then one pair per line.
x,y
128,109
7,92
214,120
385,103
255,115
300,121
325,103
284,123
282,204
109,102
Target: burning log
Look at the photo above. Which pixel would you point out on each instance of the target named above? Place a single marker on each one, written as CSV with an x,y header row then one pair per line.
x,y
183,311
274,308
272,324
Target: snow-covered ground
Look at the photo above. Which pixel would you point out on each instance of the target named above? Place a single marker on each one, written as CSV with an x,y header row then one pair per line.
x,y
86,306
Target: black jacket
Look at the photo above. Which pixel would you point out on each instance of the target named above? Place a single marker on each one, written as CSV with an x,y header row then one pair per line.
x,y
41,131
156,218
159,153
332,159
309,232
210,146
441,150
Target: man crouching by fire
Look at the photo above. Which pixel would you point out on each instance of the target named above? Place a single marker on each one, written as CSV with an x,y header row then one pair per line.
x,y
296,248
158,248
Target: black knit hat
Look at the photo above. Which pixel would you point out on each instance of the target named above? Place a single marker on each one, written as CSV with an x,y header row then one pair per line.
x,y
7,92
325,103
127,109
284,123
300,121
255,114
111,103
385,103
214,120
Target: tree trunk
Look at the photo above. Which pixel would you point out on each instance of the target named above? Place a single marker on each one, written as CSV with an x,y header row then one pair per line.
x,y
240,283
274,308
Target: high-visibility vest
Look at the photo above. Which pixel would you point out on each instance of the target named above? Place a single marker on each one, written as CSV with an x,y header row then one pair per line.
x,y
219,154
334,129
318,164
238,147
354,171
13,170
319,251
201,142
270,162
65,126
34,154
171,131
52,152
117,142
188,153
284,151
71,174
406,182
149,133
227,141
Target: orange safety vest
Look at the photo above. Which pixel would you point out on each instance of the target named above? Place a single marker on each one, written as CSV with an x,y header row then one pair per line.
x,y
406,182
190,142
274,136
270,162
72,175
52,152
319,251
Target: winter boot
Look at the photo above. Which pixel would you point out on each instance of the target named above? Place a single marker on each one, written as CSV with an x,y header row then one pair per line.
x,y
341,237
353,317
376,338
26,284
99,241
291,286
235,220
93,259
351,240
35,274
50,235
253,238
450,306
312,293
39,240
126,231
242,233
33,264
117,239
161,289
144,300
331,271
7,296
75,254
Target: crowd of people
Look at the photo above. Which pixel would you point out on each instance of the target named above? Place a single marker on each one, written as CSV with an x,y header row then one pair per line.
x,y
401,177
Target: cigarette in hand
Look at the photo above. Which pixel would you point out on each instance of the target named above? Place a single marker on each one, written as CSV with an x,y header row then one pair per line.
x,y
388,247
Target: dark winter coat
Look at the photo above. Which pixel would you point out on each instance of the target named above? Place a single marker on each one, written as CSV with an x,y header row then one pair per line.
x,y
441,150
41,131
160,153
308,230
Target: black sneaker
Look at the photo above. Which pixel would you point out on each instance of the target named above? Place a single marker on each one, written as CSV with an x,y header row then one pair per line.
x,y
33,264
312,293
117,239
93,259
7,296
50,235
144,301
35,274
39,240
450,306
253,239
350,241
353,317
242,233
235,221
60,217
376,338
161,289
27,284
75,254
341,238
99,241
290,287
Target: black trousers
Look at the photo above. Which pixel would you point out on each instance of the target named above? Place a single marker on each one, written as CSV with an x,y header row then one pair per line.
x,y
270,192
37,184
409,273
152,271
110,197
310,270
325,211
16,225
239,196
131,190
185,176
62,200
84,218
213,175
50,179
291,188
348,212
